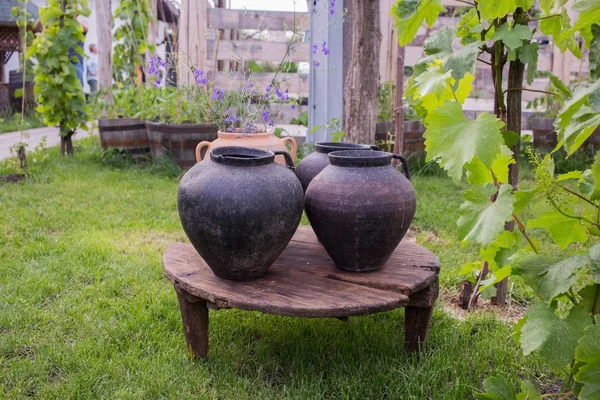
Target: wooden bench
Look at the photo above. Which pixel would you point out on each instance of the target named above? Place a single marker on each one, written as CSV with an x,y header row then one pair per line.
x,y
304,282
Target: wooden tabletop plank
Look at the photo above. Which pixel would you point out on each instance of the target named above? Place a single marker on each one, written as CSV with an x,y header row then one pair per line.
x,y
283,291
396,275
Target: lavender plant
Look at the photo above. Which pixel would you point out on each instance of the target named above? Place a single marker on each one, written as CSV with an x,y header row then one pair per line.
x,y
252,108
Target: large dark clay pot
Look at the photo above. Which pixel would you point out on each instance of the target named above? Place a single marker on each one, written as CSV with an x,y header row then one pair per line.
x,y
314,163
360,207
240,209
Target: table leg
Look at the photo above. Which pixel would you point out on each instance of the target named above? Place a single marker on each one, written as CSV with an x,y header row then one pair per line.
x,y
194,314
418,317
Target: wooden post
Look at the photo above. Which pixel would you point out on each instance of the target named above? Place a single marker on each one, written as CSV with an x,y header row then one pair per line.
x,y
398,111
152,29
194,315
362,82
193,23
103,27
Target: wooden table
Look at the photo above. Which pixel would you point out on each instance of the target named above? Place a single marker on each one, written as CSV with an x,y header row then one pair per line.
x,y
304,282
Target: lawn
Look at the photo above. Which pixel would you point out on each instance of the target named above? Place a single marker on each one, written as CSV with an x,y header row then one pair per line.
x,y
85,311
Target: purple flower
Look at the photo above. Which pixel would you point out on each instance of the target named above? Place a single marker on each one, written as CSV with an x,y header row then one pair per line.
x,y
157,83
152,68
231,119
267,92
315,49
249,128
282,96
325,49
218,95
266,117
249,85
317,64
331,7
162,63
293,106
231,129
201,77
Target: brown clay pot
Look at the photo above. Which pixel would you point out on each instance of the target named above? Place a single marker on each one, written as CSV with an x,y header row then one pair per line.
x,y
315,162
360,207
260,140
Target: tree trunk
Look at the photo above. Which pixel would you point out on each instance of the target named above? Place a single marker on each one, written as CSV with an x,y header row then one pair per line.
x,y
361,88
66,144
152,29
103,27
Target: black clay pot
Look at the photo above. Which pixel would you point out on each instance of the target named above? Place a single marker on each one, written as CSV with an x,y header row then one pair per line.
x,y
314,163
360,207
240,209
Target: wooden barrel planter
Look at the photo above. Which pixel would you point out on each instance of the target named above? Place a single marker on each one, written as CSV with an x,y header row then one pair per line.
x,y
124,133
414,142
179,141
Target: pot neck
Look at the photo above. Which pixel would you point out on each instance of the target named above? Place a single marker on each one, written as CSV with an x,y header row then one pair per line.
x,y
241,156
328,147
360,158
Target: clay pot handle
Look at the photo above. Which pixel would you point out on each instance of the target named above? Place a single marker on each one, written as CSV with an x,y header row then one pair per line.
x,y
288,158
404,162
293,143
374,147
199,148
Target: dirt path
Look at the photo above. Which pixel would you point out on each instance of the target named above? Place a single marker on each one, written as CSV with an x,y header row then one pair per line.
x,y
35,136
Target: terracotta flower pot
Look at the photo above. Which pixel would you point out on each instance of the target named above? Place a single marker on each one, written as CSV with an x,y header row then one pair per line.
x,y
260,140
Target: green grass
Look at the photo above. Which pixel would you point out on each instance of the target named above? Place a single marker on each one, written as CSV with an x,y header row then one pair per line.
x,y
12,123
85,311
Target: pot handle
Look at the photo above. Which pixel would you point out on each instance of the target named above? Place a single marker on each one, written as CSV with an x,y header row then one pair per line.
x,y
374,147
293,144
199,148
404,162
288,158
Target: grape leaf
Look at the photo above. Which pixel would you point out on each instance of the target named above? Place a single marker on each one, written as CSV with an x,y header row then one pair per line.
x,y
492,9
555,26
529,392
528,54
463,60
454,140
553,337
595,264
522,199
588,351
589,13
530,267
588,296
496,389
512,38
557,278
583,124
590,184
594,54
440,42
408,18
478,174
482,220
562,229
562,89
501,164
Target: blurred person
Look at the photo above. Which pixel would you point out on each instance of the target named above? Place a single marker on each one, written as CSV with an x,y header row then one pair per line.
x,y
92,69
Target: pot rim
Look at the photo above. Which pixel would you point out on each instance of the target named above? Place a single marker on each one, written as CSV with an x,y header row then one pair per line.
x,y
240,133
360,158
240,156
328,147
